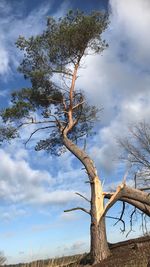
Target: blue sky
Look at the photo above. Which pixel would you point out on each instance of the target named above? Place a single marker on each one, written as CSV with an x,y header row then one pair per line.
x,y
35,187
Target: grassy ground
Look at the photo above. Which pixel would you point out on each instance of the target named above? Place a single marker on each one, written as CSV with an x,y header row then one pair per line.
x,y
132,253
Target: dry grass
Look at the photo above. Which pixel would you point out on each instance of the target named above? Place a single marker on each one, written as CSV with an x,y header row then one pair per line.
x,y
132,253
54,262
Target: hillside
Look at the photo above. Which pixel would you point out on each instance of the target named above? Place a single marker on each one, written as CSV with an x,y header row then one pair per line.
x,y
131,253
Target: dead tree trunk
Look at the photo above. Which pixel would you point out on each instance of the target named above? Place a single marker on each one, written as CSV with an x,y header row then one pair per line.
x,y
133,196
99,247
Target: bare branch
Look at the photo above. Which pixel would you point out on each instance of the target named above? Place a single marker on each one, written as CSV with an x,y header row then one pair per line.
x,y
144,188
35,122
118,220
2,258
41,128
121,215
143,207
82,196
115,196
79,104
125,177
68,73
64,104
78,208
145,223
131,221
84,148
133,194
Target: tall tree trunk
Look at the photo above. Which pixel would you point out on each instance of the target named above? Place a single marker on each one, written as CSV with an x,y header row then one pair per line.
x,y
99,247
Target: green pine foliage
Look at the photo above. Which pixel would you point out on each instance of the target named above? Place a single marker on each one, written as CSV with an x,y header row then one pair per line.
x,y
55,51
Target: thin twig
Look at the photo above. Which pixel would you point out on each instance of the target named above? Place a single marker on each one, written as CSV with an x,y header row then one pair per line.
x,y
118,220
131,221
82,196
41,128
121,216
78,208
79,104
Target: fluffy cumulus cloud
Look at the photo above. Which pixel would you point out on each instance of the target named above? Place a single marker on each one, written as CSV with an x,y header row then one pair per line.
x,y
119,79
20,183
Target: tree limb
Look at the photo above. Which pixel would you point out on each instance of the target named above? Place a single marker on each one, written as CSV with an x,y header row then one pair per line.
x,y
131,221
79,104
41,128
134,194
118,220
82,196
35,122
114,197
143,207
121,215
78,208
62,72
144,188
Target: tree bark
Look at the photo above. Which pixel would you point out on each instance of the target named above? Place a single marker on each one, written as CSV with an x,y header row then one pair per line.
x,y
135,197
136,194
99,249
99,246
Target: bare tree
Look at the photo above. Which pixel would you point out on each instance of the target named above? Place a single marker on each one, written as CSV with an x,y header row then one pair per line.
x,y
136,152
2,258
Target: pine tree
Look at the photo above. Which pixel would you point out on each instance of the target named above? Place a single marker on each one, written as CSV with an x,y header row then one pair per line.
x,y
62,113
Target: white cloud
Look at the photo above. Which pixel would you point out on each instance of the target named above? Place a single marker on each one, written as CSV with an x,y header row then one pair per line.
x,y
4,60
24,187
62,9
13,24
69,216
12,212
77,247
20,183
119,80
16,176
133,18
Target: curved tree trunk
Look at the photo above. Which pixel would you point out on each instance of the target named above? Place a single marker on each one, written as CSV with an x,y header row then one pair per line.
x,y
99,247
